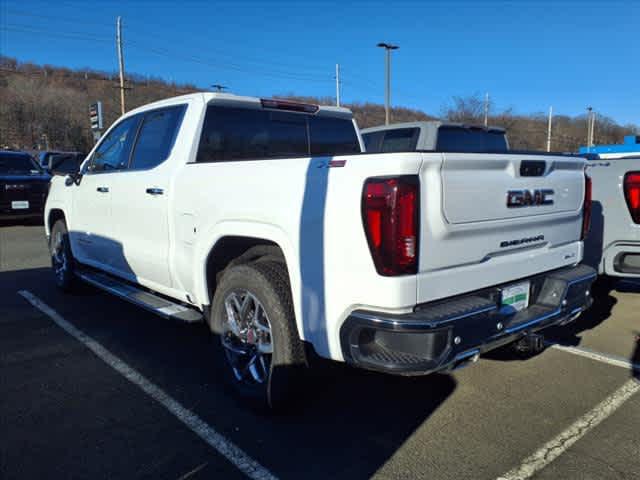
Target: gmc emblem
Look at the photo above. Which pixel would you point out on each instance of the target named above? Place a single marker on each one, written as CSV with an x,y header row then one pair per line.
x,y
529,198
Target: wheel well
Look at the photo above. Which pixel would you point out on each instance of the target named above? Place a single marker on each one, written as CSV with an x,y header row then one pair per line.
x,y
232,250
54,215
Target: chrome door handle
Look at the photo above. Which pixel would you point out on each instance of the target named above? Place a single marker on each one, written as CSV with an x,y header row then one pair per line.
x,y
103,189
155,191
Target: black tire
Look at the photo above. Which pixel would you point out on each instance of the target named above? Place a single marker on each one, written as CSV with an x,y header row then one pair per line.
x,y
62,260
268,282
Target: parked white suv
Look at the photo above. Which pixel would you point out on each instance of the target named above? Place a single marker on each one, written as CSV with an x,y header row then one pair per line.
x,y
265,218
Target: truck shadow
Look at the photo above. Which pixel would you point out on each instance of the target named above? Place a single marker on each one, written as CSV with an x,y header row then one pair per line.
x,y
347,423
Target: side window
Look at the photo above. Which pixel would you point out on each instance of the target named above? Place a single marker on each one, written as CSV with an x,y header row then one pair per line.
x,y
400,140
156,137
113,152
372,141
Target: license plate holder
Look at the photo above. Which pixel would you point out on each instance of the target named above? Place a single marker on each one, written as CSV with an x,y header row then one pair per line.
x,y
20,205
515,297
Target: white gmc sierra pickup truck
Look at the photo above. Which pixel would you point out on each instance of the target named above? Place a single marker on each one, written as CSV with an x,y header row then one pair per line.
x,y
613,244
266,219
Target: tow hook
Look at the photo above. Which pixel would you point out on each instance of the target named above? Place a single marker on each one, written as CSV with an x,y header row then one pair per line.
x,y
529,345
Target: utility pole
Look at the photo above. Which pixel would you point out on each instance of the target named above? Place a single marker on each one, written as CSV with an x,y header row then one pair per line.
x,y
486,109
589,109
549,129
387,97
593,128
337,84
120,62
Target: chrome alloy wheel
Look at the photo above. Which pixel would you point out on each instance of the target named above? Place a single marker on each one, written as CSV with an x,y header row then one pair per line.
x,y
59,256
246,337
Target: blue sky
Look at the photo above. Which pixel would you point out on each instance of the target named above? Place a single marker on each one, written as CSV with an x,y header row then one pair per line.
x,y
527,55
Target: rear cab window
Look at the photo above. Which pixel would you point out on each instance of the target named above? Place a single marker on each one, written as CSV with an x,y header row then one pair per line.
x,y
471,140
372,141
393,140
332,136
400,140
236,133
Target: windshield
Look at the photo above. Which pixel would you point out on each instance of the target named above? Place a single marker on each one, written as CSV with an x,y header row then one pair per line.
x,y
18,165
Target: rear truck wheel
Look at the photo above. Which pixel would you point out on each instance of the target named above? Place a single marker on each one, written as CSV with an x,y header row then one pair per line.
x,y
61,258
252,316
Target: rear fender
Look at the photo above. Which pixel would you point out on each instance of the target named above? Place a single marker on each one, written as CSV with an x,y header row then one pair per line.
x,y
261,231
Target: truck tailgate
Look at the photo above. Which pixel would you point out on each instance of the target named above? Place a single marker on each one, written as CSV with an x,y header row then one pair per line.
x,y
475,187
470,237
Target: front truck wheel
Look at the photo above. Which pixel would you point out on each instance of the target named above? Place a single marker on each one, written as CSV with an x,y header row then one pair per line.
x,y
252,316
61,258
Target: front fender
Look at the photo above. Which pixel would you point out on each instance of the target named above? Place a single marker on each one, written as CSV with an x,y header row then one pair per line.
x,y
58,198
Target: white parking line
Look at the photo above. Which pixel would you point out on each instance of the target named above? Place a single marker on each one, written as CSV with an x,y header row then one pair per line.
x,y
597,356
556,447
225,447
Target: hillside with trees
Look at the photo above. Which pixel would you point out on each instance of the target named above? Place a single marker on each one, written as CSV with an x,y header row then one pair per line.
x,y
46,107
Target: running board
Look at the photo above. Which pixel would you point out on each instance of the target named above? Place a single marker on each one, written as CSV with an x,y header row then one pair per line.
x,y
154,303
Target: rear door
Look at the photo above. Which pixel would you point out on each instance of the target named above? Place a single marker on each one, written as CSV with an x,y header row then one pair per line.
x,y
91,227
140,199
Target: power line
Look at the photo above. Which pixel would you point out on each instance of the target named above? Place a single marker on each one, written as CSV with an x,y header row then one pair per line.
x,y
75,21
73,35
110,79
132,32
173,55
190,58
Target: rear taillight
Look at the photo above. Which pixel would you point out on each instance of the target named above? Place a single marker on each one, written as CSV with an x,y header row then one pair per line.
x,y
632,194
586,209
390,217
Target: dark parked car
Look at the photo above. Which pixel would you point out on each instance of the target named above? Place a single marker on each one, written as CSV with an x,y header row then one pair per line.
x,y
23,186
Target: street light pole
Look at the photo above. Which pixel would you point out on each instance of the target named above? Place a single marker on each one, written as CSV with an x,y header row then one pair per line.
x,y
387,96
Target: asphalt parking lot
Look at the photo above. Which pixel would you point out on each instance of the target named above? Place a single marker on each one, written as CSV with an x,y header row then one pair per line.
x,y
92,387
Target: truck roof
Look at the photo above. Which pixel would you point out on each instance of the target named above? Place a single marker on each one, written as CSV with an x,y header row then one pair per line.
x,y
230,99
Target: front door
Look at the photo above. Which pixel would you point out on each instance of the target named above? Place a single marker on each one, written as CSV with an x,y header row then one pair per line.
x,y
92,235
